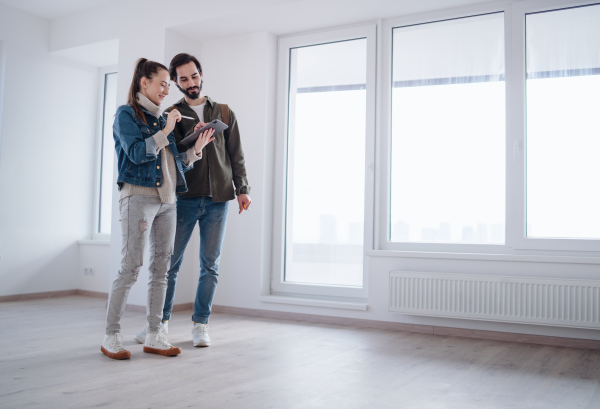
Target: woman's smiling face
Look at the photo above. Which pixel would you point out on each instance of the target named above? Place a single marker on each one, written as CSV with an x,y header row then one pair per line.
x,y
157,87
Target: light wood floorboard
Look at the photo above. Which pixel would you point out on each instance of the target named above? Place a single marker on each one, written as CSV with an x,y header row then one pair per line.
x,y
50,358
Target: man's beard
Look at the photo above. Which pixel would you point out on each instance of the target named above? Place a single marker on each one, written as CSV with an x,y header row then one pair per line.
x,y
190,95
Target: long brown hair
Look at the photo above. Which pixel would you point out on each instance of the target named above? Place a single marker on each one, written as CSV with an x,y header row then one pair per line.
x,y
143,68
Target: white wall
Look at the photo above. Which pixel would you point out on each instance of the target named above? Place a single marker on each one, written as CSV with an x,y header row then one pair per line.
x,y
151,45
241,72
187,278
46,159
96,256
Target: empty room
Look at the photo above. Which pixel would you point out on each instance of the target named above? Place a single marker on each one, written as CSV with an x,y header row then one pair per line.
x,y
300,204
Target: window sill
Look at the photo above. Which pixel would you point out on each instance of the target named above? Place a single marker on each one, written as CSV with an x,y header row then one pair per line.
x,y
94,242
485,257
311,302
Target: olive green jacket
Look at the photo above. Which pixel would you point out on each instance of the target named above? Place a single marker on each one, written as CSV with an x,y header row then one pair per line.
x,y
223,158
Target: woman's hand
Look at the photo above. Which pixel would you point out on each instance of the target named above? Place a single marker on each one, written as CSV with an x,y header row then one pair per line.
x,y
172,118
204,139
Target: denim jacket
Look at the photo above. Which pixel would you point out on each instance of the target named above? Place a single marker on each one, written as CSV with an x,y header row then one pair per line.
x,y
138,162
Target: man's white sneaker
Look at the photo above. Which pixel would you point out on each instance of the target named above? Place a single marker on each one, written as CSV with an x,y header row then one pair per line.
x,y
200,335
141,336
112,348
157,343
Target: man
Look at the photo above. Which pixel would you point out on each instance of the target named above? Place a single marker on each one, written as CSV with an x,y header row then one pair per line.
x,y
209,190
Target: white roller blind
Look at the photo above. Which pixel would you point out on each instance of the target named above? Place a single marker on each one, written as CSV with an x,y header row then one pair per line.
x,y
461,48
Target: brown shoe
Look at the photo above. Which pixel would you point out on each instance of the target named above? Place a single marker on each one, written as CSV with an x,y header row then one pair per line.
x,y
157,343
166,352
112,348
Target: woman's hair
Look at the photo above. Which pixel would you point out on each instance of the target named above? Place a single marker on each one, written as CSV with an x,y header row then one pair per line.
x,y
143,68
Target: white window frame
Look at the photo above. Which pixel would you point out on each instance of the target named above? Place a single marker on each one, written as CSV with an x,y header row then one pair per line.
x,y
516,241
516,147
377,181
98,153
384,137
285,44
2,78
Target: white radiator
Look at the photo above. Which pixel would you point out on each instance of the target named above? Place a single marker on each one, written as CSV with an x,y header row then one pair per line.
x,y
558,302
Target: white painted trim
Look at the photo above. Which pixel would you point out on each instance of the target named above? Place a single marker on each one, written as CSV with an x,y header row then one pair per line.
x,y
98,152
485,257
345,305
89,242
2,81
379,132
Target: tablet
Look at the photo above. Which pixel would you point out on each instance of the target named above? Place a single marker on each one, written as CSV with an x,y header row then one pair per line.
x,y
190,140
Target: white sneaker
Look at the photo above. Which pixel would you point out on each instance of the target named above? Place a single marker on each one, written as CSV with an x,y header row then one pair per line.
x,y
141,336
157,343
112,348
200,335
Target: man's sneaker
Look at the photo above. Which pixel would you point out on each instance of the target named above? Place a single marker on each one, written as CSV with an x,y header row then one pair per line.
x,y
200,335
157,343
141,336
112,348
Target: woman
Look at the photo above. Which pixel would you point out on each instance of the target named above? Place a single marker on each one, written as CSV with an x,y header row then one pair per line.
x,y
150,174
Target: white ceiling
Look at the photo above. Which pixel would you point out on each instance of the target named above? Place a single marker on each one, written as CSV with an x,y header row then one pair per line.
x,y
51,9
101,54
293,16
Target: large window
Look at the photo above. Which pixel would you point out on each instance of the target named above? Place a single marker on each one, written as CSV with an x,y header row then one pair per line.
x,y
328,138
563,127
326,162
106,153
487,136
447,157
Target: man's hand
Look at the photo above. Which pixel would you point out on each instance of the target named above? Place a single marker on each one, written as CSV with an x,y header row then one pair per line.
x,y
199,125
244,202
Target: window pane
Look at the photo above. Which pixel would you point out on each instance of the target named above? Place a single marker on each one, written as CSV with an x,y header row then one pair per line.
x,y
448,132
108,153
326,164
563,127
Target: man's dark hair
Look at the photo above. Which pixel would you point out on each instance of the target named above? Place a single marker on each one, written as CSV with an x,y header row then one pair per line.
x,y
182,59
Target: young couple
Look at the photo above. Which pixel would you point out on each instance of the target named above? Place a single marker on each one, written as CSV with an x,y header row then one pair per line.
x,y
159,204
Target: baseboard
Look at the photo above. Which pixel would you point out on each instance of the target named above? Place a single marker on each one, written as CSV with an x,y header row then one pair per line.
x,y
86,293
183,307
354,322
135,308
177,307
426,329
53,294
35,296
93,294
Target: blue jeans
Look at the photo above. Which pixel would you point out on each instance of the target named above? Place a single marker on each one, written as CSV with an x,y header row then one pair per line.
x,y
212,219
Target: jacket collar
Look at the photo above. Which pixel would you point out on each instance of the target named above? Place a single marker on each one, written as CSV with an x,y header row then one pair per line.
x,y
209,101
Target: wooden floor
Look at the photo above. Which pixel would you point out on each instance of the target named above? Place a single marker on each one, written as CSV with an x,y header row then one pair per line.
x,y
50,358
